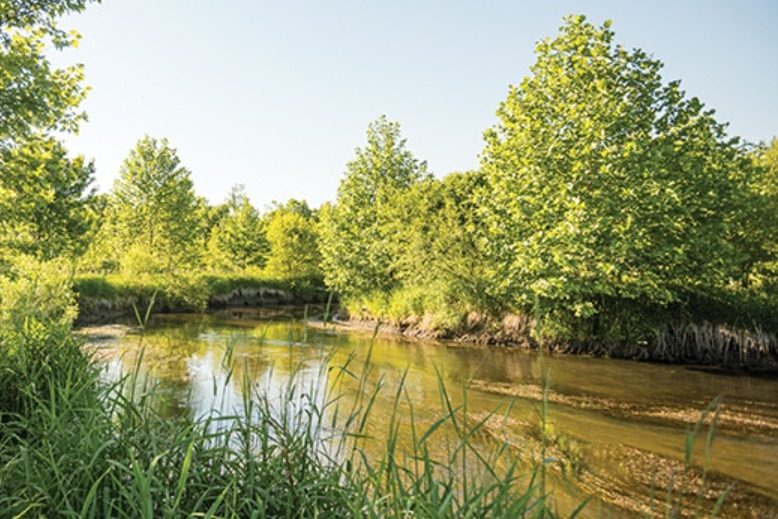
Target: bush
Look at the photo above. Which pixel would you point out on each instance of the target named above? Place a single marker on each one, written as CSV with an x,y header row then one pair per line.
x,y
96,287
37,309
33,295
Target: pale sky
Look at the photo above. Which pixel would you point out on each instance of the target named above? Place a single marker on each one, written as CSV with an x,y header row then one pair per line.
x,y
276,95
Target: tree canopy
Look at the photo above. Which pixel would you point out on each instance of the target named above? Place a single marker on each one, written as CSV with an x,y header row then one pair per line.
x,y
45,199
293,241
238,240
35,97
44,195
607,184
154,204
356,243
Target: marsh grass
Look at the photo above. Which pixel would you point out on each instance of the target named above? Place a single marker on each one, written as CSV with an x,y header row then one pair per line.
x,y
301,446
90,449
184,291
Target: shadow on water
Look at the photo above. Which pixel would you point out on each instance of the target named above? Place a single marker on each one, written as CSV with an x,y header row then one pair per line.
x,y
769,374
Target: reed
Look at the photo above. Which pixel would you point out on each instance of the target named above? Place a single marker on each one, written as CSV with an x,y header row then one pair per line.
x,y
73,445
85,448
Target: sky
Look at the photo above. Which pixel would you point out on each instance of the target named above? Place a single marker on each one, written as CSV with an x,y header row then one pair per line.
x,y
277,95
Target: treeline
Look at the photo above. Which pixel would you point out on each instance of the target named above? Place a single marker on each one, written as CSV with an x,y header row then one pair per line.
x,y
608,206
152,232
153,224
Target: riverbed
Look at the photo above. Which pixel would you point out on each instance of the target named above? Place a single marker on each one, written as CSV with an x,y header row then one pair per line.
x,y
615,429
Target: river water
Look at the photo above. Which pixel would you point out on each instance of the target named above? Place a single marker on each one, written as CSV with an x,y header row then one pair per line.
x,y
616,429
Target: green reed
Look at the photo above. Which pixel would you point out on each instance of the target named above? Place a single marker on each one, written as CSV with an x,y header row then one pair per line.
x,y
85,447
88,448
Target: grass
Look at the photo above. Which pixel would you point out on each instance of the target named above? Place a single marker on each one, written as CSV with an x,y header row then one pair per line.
x,y
73,445
86,449
186,292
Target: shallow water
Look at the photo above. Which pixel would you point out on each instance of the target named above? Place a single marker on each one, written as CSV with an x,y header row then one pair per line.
x,y
619,426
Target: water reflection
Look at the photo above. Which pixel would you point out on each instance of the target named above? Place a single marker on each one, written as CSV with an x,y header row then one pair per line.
x,y
619,419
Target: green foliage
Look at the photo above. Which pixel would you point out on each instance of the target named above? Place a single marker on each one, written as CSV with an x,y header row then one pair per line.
x,y
154,209
96,287
605,184
43,194
45,199
768,159
37,305
356,238
34,96
762,232
439,240
293,240
432,308
237,238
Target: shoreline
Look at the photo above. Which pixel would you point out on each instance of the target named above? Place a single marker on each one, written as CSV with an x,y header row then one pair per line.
x,y
485,340
728,352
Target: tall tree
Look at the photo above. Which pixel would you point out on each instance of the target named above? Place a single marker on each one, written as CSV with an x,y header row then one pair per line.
x,y
293,241
607,186
35,97
356,241
238,239
154,204
43,193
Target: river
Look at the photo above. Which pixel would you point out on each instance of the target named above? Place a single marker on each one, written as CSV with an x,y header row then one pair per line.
x,y
617,428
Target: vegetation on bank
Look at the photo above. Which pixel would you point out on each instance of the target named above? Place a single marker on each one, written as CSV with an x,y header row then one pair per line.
x,y
609,208
192,293
73,444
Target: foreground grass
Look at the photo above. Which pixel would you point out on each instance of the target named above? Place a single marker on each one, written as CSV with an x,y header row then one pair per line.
x,y
74,445
78,447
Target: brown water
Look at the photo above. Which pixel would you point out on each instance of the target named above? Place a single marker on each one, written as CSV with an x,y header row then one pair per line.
x,y
617,427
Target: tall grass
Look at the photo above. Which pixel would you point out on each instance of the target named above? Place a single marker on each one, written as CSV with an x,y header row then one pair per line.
x,y
84,448
74,445
184,291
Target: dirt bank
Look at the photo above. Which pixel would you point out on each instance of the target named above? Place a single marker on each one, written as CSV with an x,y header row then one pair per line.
x,y
96,310
704,344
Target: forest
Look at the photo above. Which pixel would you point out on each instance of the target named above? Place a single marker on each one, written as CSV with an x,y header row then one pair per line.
x,y
612,214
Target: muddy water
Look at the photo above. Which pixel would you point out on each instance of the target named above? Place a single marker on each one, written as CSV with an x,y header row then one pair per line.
x,y
617,428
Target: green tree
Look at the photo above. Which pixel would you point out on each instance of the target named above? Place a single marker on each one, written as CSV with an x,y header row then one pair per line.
x,y
764,263
154,207
293,240
445,248
35,97
43,193
356,241
104,246
609,192
237,240
45,199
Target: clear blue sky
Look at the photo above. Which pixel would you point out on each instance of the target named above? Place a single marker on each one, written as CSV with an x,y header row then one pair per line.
x,y
276,95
